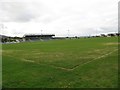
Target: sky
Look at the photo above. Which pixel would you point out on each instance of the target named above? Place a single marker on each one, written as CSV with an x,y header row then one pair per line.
x,y
59,17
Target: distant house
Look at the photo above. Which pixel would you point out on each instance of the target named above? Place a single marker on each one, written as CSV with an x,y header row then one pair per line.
x,y
35,37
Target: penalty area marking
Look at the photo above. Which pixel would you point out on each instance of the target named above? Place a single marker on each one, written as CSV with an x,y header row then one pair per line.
x,y
71,69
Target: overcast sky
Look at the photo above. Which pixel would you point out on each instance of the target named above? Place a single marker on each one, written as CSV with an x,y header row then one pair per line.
x,y
80,17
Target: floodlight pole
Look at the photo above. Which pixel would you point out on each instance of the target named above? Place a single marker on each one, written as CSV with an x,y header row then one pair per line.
x,y
41,32
68,32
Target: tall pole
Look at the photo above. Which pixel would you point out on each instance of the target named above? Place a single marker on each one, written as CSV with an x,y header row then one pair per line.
x,y
41,32
68,32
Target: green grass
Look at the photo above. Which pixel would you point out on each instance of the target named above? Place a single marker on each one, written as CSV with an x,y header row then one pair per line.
x,y
76,63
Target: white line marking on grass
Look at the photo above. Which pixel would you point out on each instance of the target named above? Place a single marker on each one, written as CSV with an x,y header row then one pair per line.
x,y
27,60
71,69
62,68
93,59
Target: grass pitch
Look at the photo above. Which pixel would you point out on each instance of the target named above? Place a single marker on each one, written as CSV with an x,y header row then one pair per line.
x,y
75,63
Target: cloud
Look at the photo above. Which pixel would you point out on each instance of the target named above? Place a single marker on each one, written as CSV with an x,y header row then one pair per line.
x,y
18,11
56,16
